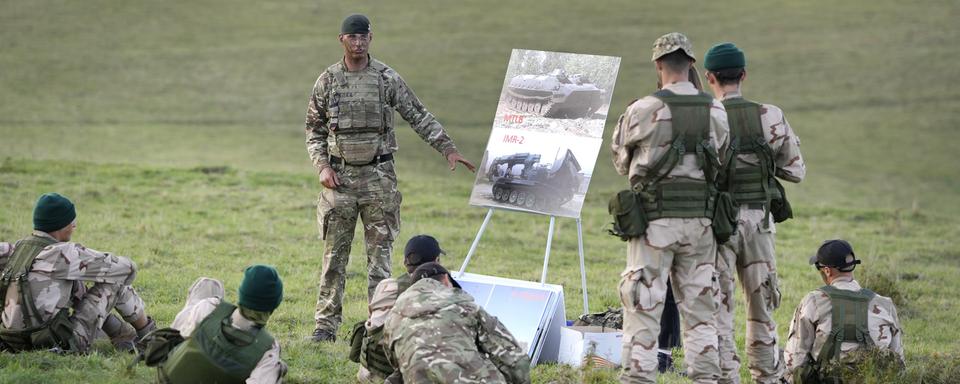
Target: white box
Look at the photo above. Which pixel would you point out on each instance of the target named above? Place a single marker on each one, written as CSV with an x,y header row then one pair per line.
x,y
604,344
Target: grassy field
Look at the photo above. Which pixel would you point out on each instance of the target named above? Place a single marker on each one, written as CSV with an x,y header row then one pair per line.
x,y
176,127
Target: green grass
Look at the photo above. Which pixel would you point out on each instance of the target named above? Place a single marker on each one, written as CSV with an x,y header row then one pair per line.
x,y
176,127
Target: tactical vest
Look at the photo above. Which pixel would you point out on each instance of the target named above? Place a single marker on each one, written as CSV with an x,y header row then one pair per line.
x,y
358,112
690,126
750,184
57,331
849,324
216,352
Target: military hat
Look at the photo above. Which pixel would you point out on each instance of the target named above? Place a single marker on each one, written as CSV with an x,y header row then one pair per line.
x,y
671,42
833,253
355,23
53,212
421,249
724,56
429,270
261,288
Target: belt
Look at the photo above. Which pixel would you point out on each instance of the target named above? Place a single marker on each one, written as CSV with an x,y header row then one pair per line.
x,y
376,160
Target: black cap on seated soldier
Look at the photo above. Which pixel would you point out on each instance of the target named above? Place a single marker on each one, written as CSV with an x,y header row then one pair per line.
x,y
421,249
834,258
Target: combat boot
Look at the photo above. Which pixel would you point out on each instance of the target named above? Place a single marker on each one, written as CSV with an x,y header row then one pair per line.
x,y
122,335
323,336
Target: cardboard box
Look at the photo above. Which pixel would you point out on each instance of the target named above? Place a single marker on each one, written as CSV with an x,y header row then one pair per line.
x,y
602,345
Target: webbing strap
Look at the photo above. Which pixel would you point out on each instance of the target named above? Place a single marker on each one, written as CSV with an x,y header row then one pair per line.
x,y
848,320
690,125
746,137
19,266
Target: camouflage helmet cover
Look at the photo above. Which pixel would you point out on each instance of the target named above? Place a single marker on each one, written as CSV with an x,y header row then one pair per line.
x,y
671,42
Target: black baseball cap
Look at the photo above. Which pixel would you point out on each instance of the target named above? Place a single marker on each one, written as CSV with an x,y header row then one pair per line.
x,y
421,249
833,253
429,270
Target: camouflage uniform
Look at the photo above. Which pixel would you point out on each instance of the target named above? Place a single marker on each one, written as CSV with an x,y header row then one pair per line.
x,y
750,254
812,323
349,127
683,249
436,334
58,280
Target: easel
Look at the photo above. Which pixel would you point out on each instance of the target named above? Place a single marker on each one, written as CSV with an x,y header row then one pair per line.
x,y
546,256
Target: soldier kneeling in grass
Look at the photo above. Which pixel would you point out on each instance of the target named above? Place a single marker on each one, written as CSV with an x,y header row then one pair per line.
x,y
213,341
57,294
837,320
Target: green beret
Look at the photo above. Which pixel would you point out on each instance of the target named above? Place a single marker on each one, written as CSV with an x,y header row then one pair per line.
x,y
261,289
53,212
724,56
355,23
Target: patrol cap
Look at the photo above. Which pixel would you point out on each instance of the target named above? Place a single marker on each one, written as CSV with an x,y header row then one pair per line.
x,y
833,253
355,23
430,270
670,43
421,249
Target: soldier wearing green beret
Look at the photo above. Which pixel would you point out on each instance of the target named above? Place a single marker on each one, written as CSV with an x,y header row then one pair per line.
x,y
223,342
763,147
351,141
58,293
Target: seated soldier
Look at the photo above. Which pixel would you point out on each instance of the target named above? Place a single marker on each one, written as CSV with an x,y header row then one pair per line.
x,y
436,333
225,343
58,293
837,319
374,367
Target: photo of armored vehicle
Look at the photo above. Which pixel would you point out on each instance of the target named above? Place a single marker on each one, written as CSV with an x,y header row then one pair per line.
x,y
522,180
554,95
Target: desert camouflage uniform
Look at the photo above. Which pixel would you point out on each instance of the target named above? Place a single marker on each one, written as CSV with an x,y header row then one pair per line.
x,y
750,254
350,116
812,323
436,334
202,299
683,249
382,301
58,280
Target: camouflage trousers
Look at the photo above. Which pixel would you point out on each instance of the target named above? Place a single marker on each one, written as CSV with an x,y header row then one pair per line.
x,y
685,251
750,254
370,192
96,304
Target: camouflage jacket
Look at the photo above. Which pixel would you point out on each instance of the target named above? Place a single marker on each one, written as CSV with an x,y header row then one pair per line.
x,y
58,276
812,323
643,134
436,334
782,140
398,97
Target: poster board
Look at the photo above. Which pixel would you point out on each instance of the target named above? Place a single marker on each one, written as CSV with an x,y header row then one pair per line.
x,y
547,132
533,313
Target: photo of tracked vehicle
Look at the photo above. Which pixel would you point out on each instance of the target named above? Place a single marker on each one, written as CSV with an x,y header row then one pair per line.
x,y
554,95
522,180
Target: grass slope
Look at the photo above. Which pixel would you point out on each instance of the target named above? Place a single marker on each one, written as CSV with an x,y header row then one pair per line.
x,y
177,128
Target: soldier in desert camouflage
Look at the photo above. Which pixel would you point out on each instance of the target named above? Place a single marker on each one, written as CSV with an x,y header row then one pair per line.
x,y
57,294
678,241
837,319
766,147
436,333
350,139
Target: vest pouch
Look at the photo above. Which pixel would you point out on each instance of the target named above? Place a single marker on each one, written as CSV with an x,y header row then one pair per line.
x,y
724,217
372,355
159,344
358,148
629,218
779,207
356,341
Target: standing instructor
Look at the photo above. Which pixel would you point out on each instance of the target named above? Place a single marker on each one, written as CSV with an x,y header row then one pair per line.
x,y
351,141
